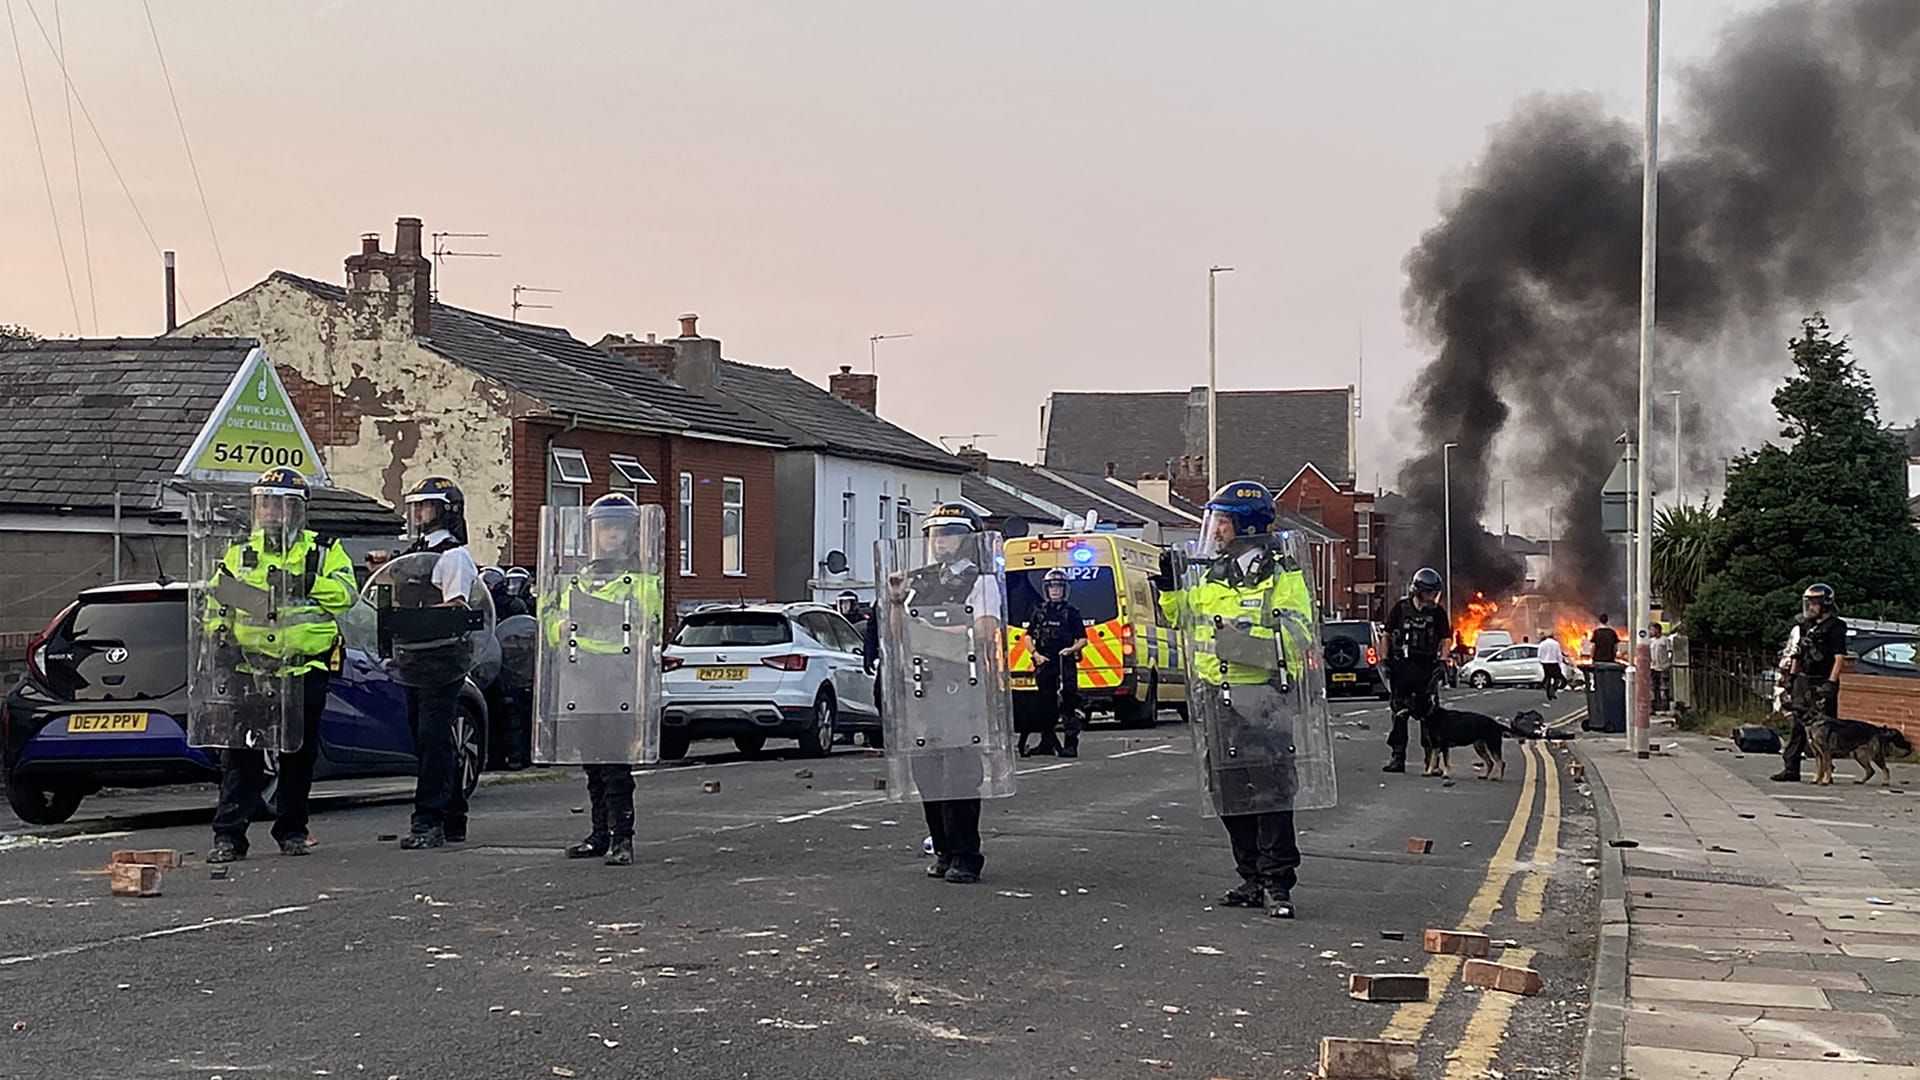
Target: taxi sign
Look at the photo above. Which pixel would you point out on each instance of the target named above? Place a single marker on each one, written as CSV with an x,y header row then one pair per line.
x,y
252,429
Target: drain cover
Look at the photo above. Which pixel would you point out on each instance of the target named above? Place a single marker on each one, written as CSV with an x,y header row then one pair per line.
x,y
1711,877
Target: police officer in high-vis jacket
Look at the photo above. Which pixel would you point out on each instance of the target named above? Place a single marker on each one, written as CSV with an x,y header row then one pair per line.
x,y
608,578
299,638
1245,607
437,522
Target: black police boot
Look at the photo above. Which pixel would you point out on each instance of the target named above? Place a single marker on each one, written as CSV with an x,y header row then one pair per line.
x,y
1279,903
592,847
1788,775
225,851
1071,748
961,875
292,845
1245,894
1398,764
1047,748
941,864
419,839
1023,747
621,853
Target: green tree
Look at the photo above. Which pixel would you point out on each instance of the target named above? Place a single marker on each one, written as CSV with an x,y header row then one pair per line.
x,y
1830,506
1682,554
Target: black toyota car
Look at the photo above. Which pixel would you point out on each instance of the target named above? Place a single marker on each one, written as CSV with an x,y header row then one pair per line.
x,y
1352,651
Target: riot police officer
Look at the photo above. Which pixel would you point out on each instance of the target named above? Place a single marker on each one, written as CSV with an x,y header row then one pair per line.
x,y
297,639
951,760
1248,614
1814,693
1418,633
437,522
609,581
1057,634
516,594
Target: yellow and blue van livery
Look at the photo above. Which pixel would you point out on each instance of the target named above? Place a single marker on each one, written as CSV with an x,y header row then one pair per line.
x,y
1131,666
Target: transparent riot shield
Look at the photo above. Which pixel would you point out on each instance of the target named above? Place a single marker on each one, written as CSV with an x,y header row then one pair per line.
x,y
1256,683
517,635
425,637
239,694
601,606
945,709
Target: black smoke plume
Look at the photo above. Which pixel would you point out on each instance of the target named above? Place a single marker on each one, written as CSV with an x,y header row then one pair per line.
x,y
1789,178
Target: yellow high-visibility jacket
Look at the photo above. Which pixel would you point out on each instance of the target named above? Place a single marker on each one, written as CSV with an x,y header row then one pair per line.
x,y
301,633
1280,603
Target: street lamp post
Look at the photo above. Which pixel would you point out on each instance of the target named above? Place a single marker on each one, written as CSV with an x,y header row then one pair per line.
x,y
1639,688
1677,496
1446,484
873,347
1213,384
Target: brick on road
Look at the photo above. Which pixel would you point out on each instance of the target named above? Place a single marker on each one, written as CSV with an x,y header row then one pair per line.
x,y
1491,976
1393,988
1367,1059
134,879
1456,943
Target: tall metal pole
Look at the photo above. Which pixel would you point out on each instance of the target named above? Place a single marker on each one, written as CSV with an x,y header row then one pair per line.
x,y
1503,513
1640,690
1678,495
1213,383
1446,482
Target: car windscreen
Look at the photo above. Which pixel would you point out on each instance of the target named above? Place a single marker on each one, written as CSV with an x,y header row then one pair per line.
x,y
120,650
737,628
1089,588
1361,632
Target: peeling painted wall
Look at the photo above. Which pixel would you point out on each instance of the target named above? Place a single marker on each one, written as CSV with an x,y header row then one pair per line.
x,y
387,411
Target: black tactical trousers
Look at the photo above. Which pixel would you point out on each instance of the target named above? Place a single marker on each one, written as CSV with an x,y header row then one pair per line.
x,y
440,795
1058,702
1264,848
1411,683
955,827
610,790
243,774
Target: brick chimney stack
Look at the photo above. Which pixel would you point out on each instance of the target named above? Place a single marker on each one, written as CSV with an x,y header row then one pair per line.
x,y
856,388
696,363
395,287
973,458
1190,480
657,355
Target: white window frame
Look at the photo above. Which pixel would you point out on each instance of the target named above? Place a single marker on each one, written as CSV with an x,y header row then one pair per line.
x,y
733,562
903,520
1363,531
686,524
627,473
571,466
562,492
849,508
885,518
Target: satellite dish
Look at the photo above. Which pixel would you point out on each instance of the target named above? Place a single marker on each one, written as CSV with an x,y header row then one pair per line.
x,y
836,562
1014,527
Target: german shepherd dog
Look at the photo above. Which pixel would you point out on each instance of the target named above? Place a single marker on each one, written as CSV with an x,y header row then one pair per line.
x,y
1868,744
1443,729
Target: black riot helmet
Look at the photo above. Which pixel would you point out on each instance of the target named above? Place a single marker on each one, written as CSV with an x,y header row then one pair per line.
x,y
946,526
1054,580
1427,582
448,509
1818,601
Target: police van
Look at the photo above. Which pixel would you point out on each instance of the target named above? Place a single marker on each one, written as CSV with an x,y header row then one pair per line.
x,y
1131,665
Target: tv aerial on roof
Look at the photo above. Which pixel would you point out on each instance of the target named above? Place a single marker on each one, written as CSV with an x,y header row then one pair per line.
x,y
441,253
518,303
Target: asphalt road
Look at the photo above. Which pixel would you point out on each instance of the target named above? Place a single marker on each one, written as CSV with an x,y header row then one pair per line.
x,y
783,927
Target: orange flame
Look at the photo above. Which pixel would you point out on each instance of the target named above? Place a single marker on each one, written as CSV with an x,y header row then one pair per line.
x,y
1480,611
1573,636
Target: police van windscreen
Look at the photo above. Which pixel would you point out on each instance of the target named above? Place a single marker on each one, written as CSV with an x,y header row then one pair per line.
x,y
711,629
1089,588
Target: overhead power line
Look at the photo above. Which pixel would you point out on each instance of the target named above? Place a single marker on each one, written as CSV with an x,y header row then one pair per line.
x,y
53,209
79,191
184,141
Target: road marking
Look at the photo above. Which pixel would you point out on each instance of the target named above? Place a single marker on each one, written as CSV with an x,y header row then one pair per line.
x,y
1046,768
89,946
1163,748
823,810
1546,850
1487,1027
1411,1019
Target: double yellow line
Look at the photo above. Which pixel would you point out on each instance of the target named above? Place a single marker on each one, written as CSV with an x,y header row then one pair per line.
x,y
1488,1024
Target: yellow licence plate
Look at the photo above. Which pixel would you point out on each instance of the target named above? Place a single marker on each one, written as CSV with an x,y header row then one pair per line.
x,y
1345,676
106,723
1025,682
722,674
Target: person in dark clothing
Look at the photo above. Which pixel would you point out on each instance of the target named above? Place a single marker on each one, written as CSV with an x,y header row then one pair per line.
x,y
1606,643
1418,632
1057,634
1815,670
436,518
515,595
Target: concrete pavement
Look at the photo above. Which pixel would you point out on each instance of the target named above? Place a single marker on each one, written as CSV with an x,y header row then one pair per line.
x,y
1771,930
782,927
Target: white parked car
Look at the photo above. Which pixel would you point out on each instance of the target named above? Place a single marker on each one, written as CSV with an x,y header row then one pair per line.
x,y
752,672
1513,665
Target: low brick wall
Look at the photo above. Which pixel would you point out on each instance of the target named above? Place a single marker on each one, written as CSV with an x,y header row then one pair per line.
x,y
1882,699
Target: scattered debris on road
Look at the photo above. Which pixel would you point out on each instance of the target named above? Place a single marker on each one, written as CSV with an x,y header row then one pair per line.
x,y
1419,845
1387,988
1491,976
1455,943
134,879
1367,1059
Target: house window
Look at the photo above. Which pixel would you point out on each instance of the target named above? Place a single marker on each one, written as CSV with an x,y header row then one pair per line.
x,y
903,518
847,508
1363,531
686,524
732,519
627,474
567,477
1311,510
880,531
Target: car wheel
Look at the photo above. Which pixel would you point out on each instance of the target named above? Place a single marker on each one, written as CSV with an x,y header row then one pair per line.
x,y
1142,712
1480,680
37,805
673,745
470,743
817,741
749,744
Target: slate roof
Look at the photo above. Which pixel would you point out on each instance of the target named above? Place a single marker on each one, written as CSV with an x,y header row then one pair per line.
x,y
1125,498
1003,504
1036,483
81,419
813,418
564,373
334,511
1266,435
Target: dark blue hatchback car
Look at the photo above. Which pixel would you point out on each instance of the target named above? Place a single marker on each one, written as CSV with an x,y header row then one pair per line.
x,y
103,704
